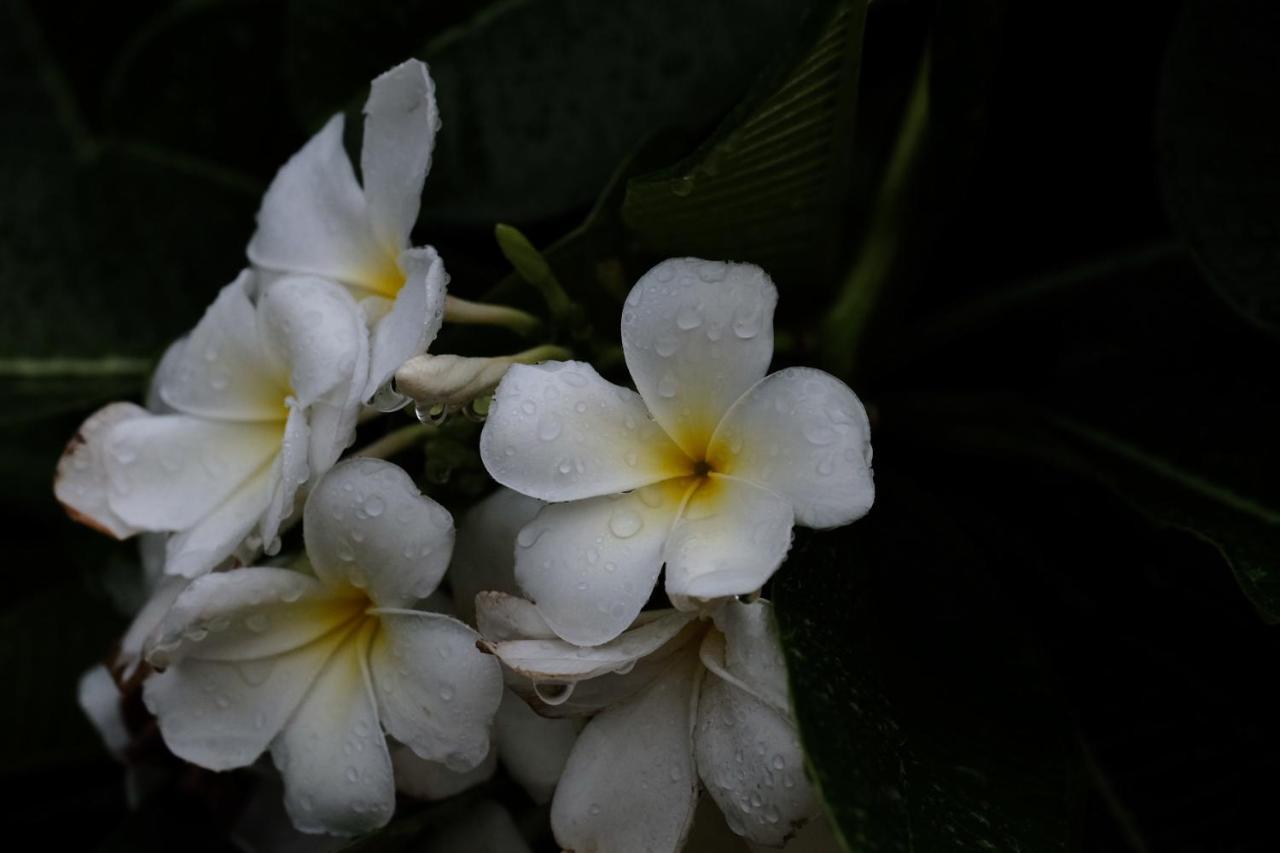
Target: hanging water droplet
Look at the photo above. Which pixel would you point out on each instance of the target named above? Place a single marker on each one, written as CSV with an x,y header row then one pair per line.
x,y
553,692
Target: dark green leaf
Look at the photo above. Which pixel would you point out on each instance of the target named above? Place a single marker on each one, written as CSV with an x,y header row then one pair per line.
x,y
541,99
767,187
1218,130
919,699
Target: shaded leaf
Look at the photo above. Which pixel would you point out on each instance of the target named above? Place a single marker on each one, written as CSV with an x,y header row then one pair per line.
x,y
1218,130
767,187
919,698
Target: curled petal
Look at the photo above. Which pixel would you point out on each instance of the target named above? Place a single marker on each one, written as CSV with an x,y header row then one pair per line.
x,y
314,327
745,650
400,124
501,616
558,432
314,220
559,661
730,539
411,322
696,334
366,524
803,434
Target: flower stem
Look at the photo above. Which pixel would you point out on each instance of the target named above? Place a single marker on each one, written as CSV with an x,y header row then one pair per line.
x,y
845,329
396,442
533,268
467,313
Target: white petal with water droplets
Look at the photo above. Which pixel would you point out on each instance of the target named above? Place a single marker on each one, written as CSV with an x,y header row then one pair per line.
x,y
558,432
413,319
366,524
314,219
745,649
437,693
223,714
400,124
730,539
696,334
100,700
591,565
81,484
211,540
146,621
333,754
168,472
248,614
750,759
484,553
314,327
803,434
224,371
433,780
629,785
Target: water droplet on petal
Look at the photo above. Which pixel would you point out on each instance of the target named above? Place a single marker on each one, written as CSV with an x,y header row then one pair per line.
x,y
668,385
625,523
688,317
549,426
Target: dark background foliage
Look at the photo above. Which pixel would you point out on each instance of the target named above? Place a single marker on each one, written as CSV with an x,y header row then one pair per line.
x,y
1049,264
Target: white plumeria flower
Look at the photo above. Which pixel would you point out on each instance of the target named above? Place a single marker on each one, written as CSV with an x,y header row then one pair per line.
x,y
317,219
261,399
532,748
316,668
676,698
705,469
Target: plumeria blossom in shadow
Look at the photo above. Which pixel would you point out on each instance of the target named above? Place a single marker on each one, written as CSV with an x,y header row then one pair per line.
x,y
676,698
316,667
257,400
317,219
706,469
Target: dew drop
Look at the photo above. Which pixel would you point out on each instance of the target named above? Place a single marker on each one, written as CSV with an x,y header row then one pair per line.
x,y
374,506
549,427
688,317
625,523
666,345
257,622
668,385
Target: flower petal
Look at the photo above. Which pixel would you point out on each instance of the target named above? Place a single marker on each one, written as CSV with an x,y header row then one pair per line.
x,y
241,650
484,553
696,334
750,760
432,780
484,827
803,434
332,752
81,484
367,524
400,124
168,472
630,784
146,621
558,432
746,651
248,614
413,320
730,539
100,700
314,219
223,532
315,329
501,616
591,565
534,749
437,693
562,662
224,371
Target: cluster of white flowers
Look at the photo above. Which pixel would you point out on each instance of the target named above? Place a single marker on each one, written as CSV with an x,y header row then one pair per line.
x,y
343,661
